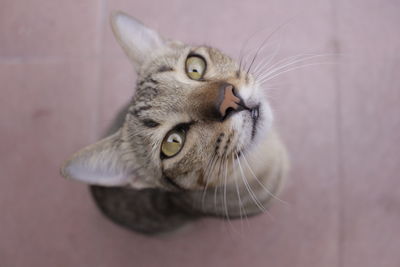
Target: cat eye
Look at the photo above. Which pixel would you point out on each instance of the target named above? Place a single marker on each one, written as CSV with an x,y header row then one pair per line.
x,y
173,143
195,67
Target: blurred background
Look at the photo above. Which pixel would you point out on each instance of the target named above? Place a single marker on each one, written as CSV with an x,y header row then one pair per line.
x,y
63,77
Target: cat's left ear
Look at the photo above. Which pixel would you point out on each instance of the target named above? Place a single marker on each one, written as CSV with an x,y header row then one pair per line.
x,y
104,163
137,40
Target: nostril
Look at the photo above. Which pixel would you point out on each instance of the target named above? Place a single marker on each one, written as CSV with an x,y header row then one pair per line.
x,y
228,112
240,104
234,92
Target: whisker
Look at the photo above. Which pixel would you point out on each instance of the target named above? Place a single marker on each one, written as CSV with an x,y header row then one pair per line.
x,y
244,45
216,185
225,182
262,64
266,40
226,160
262,185
295,68
253,197
221,180
215,199
287,62
241,207
206,174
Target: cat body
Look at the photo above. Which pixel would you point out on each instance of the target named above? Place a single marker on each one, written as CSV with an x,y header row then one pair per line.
x,y
196,140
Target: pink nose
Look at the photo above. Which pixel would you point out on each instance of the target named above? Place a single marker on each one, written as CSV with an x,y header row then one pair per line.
x,y
230,101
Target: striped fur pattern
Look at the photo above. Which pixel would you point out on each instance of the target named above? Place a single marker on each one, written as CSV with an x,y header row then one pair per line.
x,y
230,168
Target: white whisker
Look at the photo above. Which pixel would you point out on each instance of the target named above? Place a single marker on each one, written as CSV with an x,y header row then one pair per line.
x,y
215,199
294,68
241,207
262,185
206,175
263,64
266,40
287,62
253,197
225,182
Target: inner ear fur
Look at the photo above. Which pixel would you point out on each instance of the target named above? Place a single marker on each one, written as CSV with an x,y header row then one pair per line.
x,y
137,40
100,164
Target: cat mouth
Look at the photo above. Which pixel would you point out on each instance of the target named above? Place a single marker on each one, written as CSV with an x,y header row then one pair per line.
x,y
255,115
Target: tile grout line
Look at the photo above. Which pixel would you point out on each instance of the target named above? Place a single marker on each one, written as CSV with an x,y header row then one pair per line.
x,y
339,137
99,60
43,59
57,59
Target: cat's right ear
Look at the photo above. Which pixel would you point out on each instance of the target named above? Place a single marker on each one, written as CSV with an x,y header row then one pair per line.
x,y
137,40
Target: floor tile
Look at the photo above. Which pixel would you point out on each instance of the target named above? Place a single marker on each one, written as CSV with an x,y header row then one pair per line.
x,y
117,85
45,28
370,134
47,114
232,22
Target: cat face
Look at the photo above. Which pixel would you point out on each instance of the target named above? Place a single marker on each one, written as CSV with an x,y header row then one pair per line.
x,y
194,109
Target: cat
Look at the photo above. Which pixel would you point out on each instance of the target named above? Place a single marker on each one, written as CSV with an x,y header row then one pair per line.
x,y
196,140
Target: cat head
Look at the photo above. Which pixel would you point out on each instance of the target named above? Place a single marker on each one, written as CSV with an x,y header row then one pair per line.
x,y
194,109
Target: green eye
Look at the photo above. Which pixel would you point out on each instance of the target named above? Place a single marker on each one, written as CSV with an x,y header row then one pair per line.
x,y
195,67
173,143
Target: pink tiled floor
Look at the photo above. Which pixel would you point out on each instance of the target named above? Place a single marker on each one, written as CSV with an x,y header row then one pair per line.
x,y
63,77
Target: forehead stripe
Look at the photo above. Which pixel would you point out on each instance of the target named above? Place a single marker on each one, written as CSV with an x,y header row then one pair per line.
x,y
165,69
150,123
136,112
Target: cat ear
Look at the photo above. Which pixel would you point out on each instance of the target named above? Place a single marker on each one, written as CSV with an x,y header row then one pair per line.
x,y
137,40
99,164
